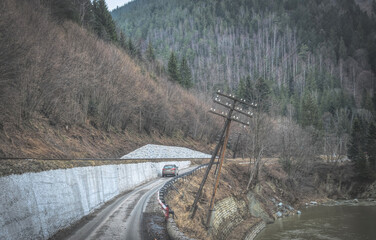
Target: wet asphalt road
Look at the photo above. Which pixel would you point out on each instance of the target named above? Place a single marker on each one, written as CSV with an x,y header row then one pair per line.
x,y
120,219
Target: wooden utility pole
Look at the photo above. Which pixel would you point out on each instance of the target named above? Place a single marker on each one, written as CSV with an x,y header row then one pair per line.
x,y
233,107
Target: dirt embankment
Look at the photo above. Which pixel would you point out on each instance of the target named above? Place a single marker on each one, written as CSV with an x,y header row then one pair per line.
x,y
39,140
324,182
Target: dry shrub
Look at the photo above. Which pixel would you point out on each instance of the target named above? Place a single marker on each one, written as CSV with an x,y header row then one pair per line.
x,y
65,73
233,182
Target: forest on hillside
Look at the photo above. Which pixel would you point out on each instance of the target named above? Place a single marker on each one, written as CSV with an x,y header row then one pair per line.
x,y
55,65
311,62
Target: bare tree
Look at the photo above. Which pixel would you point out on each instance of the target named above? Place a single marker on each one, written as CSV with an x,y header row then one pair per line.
x,y
259,136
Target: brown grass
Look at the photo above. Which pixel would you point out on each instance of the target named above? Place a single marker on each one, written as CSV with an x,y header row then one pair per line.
x,y
67,76
273,184
39,141
232,183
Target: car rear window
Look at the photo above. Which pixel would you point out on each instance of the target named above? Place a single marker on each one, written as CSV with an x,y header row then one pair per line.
x,y
169,166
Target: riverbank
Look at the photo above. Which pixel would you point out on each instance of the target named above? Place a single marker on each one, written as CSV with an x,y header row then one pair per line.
x,y
276,195
344,219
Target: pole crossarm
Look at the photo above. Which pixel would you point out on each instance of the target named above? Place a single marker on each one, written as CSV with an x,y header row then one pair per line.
x,y
232,106
232,97
233,118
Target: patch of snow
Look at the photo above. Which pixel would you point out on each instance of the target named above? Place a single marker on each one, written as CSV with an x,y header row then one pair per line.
x,y
152,151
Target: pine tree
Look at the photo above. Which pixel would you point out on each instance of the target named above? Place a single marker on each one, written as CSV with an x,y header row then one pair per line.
x,y
261,94
131,48
367,102
63,9
291,86
123,41
342,49
309,111
185,74
150,56
371,146
355,151
240,93
172,68
248,94
353,147
104,25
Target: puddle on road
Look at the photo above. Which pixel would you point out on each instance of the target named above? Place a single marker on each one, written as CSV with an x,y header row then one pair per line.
x,y
156,227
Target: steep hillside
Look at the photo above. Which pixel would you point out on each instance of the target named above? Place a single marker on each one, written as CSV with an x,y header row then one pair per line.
x,y
66,93
325,48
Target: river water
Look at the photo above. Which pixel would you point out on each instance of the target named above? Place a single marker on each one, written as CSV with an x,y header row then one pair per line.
x,y
340,221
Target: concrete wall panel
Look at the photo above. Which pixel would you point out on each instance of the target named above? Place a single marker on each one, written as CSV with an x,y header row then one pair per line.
x,y
37,205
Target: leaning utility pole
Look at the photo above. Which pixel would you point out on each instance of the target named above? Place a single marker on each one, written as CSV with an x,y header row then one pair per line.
x,y
232,106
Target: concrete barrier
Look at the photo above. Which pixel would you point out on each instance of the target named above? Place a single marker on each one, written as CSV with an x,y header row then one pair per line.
x,y
37,205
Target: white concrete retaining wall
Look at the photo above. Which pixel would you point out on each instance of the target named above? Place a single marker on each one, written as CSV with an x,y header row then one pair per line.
x,y
37,205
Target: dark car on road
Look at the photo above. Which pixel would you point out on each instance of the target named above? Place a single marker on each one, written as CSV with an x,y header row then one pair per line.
x,y
170,170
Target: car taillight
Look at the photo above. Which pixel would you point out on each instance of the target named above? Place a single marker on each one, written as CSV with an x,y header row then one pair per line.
x,y
173,169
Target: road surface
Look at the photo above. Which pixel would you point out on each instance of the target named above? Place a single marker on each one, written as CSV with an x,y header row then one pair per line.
x,y
120,219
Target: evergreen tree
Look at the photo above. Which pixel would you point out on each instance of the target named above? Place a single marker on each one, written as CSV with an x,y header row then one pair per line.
x,y
367,102
248,93
240,93
150,56
185,74
172,68
131,48
309,111
79,11
355,151
353,147
123,41
291,86
104,25
342,49
63,9
261,94
371,146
